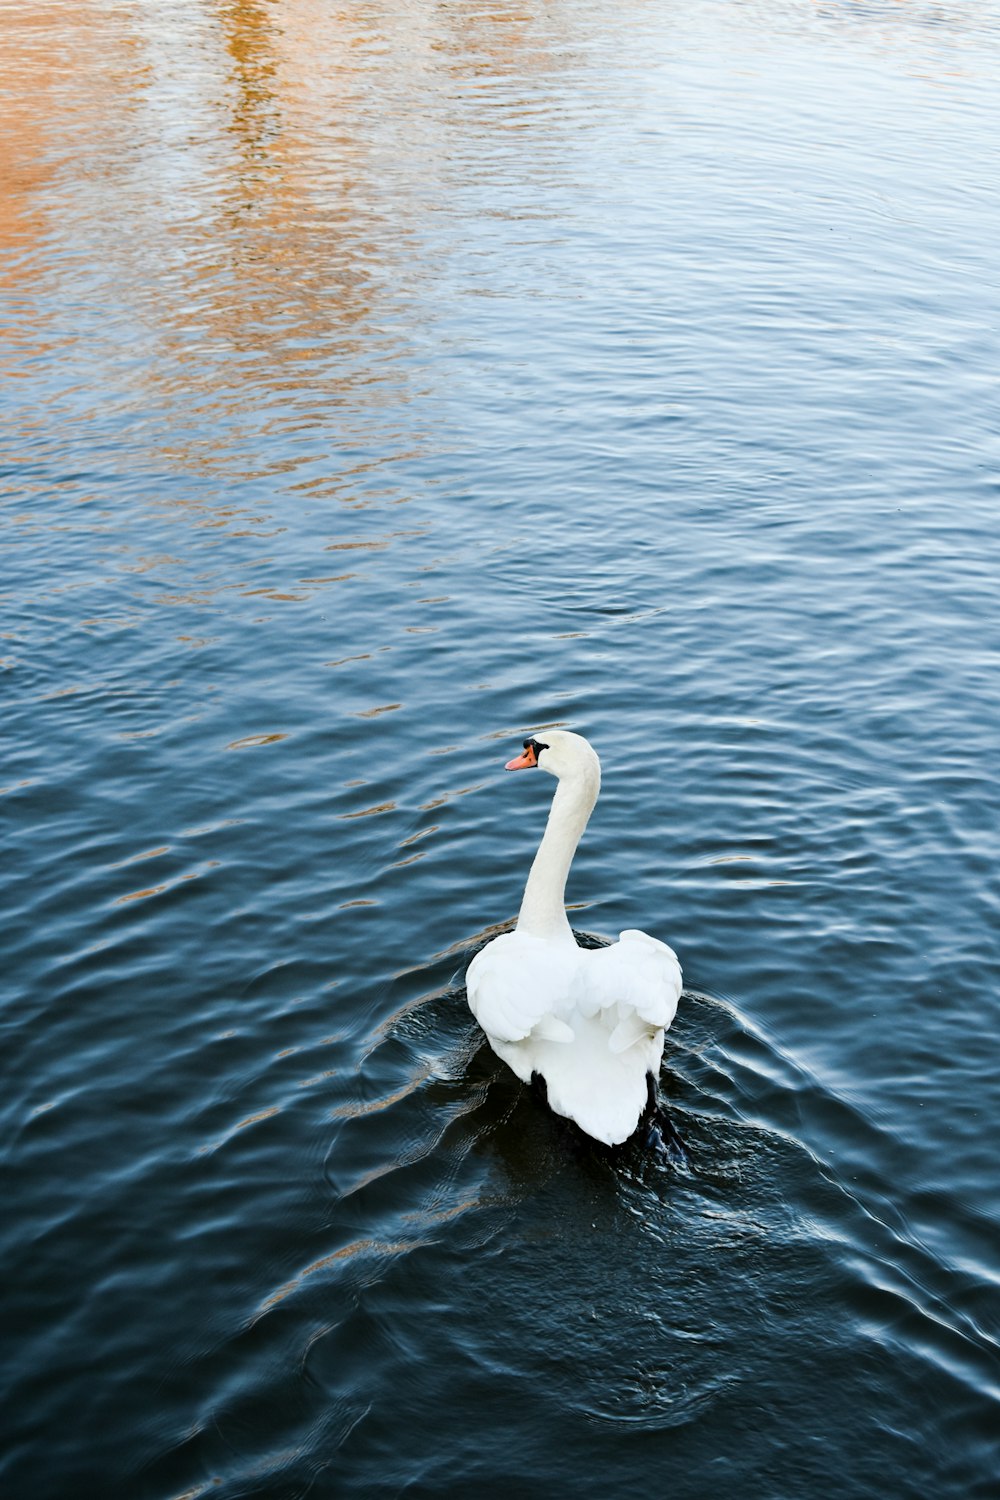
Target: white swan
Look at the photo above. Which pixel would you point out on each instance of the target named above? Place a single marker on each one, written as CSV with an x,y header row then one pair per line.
x,y
589,1022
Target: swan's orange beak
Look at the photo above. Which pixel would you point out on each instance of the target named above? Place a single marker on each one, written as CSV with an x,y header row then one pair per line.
x,y
522,762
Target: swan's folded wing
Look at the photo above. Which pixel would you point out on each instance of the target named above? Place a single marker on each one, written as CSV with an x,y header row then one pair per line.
x,y
630,1030
643,976
517,987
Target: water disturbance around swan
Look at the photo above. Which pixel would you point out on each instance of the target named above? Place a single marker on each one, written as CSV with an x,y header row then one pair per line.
x,y
386,383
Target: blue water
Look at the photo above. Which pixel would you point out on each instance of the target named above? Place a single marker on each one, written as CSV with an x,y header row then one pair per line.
x,y
384,382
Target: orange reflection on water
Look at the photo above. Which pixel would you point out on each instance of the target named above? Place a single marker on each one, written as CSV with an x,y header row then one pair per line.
x,y
255,202
60,69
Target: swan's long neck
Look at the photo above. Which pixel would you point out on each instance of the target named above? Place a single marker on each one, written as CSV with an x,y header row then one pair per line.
x,y
543,907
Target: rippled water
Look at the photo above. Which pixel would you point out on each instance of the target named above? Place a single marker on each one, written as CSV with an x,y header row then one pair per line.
x,y
384,381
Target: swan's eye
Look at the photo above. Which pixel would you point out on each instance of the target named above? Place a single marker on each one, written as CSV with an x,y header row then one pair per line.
x,y
535,745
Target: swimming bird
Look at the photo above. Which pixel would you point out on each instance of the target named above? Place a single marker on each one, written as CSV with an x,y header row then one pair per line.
x,y
587,1024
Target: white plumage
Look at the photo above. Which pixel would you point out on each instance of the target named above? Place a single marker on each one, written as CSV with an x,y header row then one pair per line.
x,y
589,1021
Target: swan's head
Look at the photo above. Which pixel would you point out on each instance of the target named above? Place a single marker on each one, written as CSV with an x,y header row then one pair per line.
x,y
561,753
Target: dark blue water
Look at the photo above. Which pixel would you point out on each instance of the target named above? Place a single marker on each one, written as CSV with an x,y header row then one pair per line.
x,y
384,381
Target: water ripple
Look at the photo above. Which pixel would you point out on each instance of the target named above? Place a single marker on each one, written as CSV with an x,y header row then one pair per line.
x,y
634,370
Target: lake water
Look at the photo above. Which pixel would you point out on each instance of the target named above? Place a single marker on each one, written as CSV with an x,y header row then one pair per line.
x,y
385,381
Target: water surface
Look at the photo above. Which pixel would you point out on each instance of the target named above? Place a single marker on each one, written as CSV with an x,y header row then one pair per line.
x,y
385,381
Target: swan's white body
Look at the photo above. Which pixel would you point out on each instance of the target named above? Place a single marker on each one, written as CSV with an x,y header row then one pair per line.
x,y
589,1021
